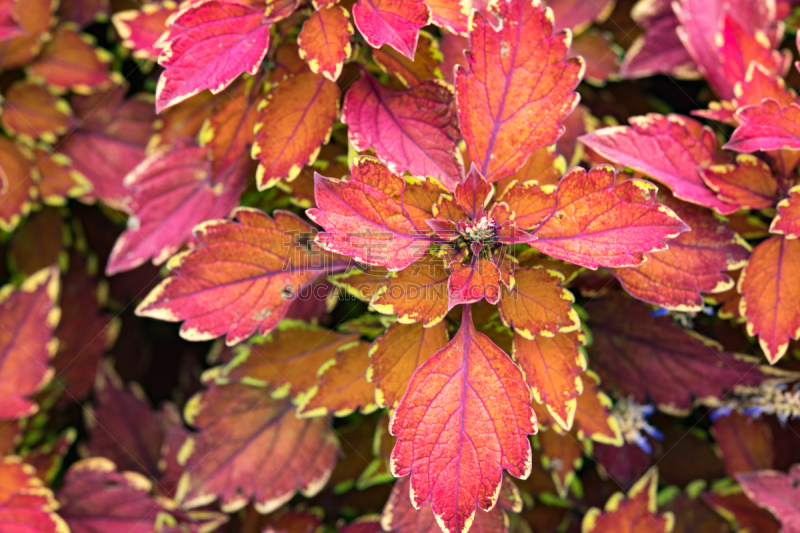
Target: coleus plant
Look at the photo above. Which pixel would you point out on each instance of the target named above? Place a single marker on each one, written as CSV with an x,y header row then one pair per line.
x,y
427,165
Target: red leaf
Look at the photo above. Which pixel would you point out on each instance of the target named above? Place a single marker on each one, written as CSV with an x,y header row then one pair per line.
x,y
240,277
393,22
26,504
776,492
635,513
593,414
84,12
744,442
769,126
242,432
117,130
397,354
16,183
325,41
472,283
140,29
787,221
552,368
415,130
630,346
514,96
670,149
694,263
700,23
735,505
599,53
365,218
297,117
207,46
95,498
601,222
124,427
748,184
287,360
770,291
466,410
170,193
562,454
32,112
537,304
70,62
27,319
343,386
400,516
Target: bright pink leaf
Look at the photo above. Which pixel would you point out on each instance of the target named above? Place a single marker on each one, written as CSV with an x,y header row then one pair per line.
x,y
9,25
464,418
669,149
598,222
414,129
365,217
518,88
659,50
769,126
393,22
778,492
141,29
172,192
207,46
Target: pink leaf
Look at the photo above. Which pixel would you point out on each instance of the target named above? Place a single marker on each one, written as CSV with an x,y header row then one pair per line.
x,y
207,46
669,149
392,22
414,129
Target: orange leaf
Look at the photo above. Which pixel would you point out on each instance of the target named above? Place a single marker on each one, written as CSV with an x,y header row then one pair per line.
x,y
552,368
770,290
343,386
513,97
324,41
787,222
296,118
419,292
397,354
25,503
593,416
32,112
537,304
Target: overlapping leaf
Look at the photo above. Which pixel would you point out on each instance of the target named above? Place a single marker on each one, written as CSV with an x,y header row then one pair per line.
x,y
552,368
599,221
635,513
28,317
669,149
365,219
397,354
744,442
768,126
770,287
34,17
416,293
414,130
118,130
296,118
425,65
27,505
392,22
240,278
695,263
748,183
16,183
466,410
630,346
170,193
517,89
140,29
787,221
777,492
31,112
242,432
